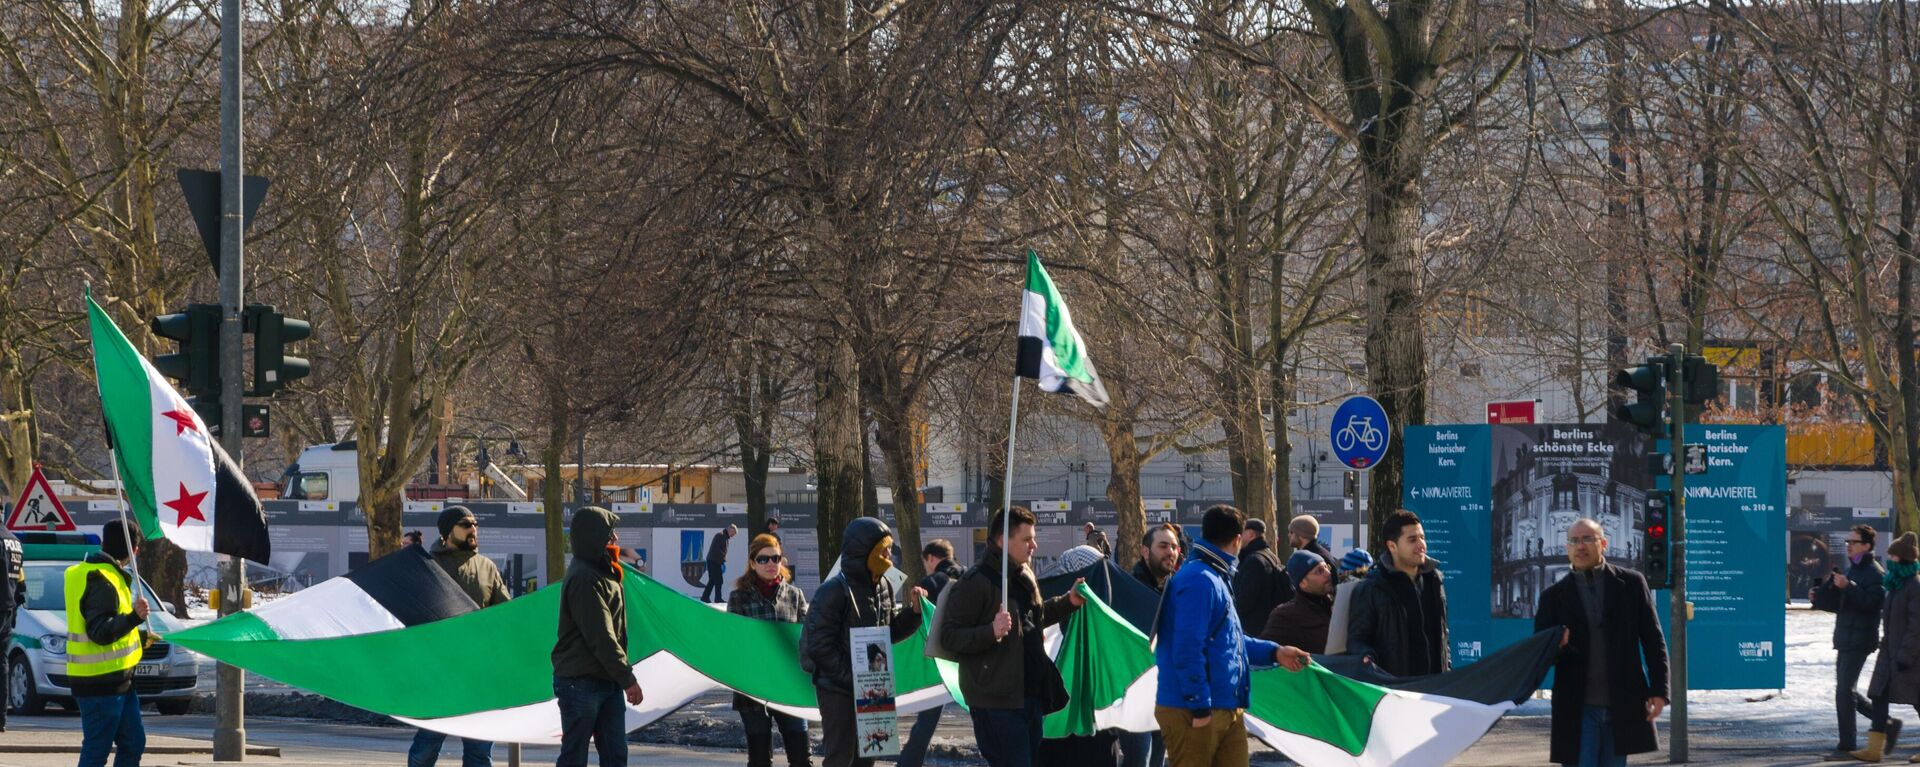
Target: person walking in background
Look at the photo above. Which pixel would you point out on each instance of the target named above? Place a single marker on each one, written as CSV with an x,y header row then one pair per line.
x,y
1604,704
458,552
1009,682
852,597
1204,656
105,637
1858,595
1302,622
1261,583
717,564
1097,538
766,592
1896,671
1303,533
1398,619
936,559
591,672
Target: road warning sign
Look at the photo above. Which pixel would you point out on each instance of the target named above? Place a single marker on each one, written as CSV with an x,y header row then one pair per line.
x,y
37,509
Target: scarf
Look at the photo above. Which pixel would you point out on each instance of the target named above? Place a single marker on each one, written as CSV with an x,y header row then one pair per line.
x,y
613,556
1898,573
767,588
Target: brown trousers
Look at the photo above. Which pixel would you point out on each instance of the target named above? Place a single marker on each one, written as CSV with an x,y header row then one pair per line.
x,y
1222,743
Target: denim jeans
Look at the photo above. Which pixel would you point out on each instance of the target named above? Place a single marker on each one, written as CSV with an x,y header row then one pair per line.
x,y
913,753
1596,739
595,708
111,722
425,750
1008,737
1142,749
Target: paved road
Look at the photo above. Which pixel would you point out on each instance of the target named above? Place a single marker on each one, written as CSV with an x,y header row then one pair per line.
x,y
1519,740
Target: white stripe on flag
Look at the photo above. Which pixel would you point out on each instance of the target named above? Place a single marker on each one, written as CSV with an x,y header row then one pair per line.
x,y
182,467
331,608
1407,730
1033,324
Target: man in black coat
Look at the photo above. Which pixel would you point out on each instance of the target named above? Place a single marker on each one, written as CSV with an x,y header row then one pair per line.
x,y
1856,633
855,596
937,559
716,589
1260,581
1604,705
1398,617
11,559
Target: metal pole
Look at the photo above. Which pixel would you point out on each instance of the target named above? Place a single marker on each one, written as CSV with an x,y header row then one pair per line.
x,y
230,733
1006,496
1677,528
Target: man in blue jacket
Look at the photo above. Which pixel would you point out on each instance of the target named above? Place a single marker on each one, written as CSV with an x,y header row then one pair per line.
x,y
1205,656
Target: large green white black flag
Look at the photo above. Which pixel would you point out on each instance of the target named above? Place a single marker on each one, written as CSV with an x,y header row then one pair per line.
x,y
1051,350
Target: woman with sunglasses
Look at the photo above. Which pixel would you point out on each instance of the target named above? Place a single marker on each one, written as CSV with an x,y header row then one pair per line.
x,y
766,592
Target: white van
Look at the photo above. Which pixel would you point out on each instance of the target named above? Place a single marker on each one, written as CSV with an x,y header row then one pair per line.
x,y
329,472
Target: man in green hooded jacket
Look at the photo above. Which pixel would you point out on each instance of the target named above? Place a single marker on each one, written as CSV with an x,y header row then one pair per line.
x,y
592,677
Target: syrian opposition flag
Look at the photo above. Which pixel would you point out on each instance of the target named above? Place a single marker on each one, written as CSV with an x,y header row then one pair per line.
x,y
1317,717
343,637
179,482
1051,350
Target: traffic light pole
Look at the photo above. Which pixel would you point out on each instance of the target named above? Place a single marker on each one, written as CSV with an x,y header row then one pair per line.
x,y
1677,531
230,733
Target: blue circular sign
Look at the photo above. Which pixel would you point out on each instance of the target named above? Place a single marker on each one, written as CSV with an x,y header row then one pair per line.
x,y
1360,432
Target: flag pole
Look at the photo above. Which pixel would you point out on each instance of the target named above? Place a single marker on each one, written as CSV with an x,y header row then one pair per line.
x,y
133,553
1006,495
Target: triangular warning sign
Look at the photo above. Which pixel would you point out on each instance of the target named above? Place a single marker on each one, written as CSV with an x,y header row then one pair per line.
x,y
37,509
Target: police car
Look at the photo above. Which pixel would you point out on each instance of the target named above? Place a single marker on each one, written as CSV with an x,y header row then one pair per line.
x,y
167,675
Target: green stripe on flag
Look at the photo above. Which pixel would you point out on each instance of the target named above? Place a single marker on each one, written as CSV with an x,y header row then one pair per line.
x,y
1101,656
759,658
1317,703
127,402
1059,331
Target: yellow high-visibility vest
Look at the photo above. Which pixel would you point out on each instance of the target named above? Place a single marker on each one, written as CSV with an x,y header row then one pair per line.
x,y
85,658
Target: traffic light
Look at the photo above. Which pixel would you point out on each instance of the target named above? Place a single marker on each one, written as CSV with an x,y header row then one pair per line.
x,y
1701,379
197,365
273,369
1649,382
1657,561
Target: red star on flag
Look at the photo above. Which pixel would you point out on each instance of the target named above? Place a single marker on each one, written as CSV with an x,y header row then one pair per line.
x,y
188,505
182,421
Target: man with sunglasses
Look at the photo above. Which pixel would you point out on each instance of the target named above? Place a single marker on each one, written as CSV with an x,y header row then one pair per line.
x,y
458,552
1856,633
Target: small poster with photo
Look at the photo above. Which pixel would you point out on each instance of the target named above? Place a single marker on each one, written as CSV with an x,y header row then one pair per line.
x,y
876,726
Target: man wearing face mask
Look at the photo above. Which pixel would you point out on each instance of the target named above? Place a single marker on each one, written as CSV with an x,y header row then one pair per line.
x,y
856,596
458,552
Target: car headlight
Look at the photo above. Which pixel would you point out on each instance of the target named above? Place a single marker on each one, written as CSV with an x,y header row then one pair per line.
x,y
54,643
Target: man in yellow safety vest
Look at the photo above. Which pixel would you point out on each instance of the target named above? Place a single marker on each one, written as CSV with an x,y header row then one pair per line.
x,y
104,643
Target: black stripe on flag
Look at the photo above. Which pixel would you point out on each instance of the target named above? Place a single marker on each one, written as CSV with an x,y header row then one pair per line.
x,y
412,587
239,522
1028,362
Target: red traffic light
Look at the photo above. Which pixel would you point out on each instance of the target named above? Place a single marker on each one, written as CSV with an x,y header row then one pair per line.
x,y
1657,531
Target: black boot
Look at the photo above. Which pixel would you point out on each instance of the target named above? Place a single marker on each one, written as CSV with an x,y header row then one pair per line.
x,y
760,750
1893,734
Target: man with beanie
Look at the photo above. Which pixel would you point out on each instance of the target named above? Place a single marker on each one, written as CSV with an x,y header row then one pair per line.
x,y
591,674
855,596
716,589
1856,634
1261,583
1009,682
1610,681
105,615
1204,656
1302,621
458,552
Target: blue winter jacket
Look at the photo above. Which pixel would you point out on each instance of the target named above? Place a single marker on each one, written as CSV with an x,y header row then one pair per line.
x,y
1203,653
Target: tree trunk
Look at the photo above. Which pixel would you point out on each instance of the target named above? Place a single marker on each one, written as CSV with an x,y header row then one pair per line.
x,y
1619,226
1280,382
19,443
1396,342
837,445
898,423
552,491
1123,483
382,504
164,566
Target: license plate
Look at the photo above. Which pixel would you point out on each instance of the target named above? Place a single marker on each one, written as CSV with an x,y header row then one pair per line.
x,y
147,670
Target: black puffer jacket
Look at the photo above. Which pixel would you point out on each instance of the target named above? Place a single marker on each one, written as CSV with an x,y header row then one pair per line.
x,y
1403,629
1856,625
848,599
1260,583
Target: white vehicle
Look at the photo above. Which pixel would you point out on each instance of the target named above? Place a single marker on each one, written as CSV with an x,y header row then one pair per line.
x,y
329,472
36,657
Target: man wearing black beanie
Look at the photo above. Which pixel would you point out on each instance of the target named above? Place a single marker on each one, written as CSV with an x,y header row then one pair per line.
x,y
458,552
105,612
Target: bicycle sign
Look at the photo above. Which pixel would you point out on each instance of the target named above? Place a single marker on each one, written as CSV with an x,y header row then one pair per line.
x,y
1360,432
